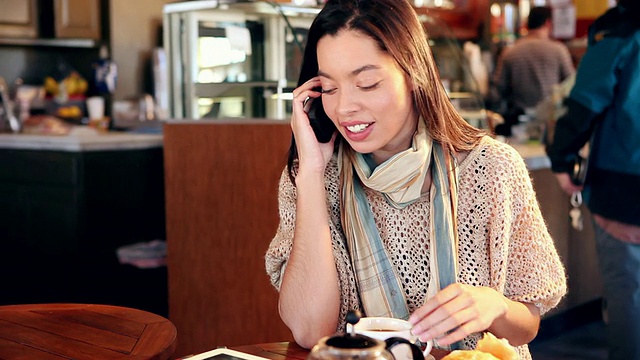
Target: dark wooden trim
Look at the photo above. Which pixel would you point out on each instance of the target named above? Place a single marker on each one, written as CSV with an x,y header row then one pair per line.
x,y
222,212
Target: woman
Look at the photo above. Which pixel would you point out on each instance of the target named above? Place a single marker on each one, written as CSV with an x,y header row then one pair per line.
x,y
407,211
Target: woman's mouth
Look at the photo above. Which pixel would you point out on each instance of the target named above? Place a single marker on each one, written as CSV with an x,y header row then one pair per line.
x,y
357,128
358,131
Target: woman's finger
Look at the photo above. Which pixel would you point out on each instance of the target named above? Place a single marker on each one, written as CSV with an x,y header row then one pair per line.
x,y
448,324
442,297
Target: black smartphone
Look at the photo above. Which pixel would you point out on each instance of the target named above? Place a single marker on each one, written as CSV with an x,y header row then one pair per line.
x,y
322,126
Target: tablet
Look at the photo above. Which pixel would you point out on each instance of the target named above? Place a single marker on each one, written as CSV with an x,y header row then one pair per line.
x,y
224,354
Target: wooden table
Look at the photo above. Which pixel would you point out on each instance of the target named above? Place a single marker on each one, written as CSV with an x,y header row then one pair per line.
x,y
293,351
83,331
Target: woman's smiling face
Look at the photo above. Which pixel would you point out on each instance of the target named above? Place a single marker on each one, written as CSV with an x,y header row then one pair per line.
x,y
366,94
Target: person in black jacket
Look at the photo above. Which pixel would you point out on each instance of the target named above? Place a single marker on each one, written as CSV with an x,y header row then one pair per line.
x,y
604,106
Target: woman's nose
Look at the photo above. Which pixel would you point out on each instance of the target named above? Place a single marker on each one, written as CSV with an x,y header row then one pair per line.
x,y
348,103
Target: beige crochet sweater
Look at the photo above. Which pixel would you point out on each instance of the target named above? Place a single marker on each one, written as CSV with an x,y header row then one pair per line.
x,y
503,239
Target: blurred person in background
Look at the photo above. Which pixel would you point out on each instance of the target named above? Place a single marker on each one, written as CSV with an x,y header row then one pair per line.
x,y
527,71
604,106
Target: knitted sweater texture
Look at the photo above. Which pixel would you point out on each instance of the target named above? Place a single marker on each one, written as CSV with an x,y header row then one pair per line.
x,y
503,240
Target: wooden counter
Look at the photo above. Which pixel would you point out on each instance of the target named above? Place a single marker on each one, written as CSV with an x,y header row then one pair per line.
x,y
66,204
84,140
293,351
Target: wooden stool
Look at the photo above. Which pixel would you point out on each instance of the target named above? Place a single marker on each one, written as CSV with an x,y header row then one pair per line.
x,y
83,331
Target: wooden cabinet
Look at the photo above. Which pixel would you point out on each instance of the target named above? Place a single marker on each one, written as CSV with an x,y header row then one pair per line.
x,y
222,212
77,19
18,19
47,19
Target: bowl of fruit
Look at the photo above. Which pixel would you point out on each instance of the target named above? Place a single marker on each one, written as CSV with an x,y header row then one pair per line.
x,y
66,97
73,86
70,113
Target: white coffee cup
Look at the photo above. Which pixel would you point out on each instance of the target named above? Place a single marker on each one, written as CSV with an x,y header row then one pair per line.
x,y
383,328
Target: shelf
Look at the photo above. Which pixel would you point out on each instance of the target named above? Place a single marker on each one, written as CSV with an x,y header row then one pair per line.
x,y
68,43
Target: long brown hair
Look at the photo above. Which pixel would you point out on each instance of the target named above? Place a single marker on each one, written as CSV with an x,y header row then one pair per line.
x,y
395,27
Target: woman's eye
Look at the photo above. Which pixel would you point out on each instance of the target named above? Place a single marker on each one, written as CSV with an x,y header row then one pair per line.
x,y
327,91
370,87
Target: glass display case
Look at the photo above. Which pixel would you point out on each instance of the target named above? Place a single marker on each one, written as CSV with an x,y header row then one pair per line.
x,y
236,59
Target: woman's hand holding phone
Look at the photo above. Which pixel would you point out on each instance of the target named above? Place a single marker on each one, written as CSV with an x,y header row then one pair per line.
x,y
311,152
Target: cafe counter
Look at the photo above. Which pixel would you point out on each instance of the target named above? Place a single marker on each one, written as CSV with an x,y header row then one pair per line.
x,y
66,204
81,141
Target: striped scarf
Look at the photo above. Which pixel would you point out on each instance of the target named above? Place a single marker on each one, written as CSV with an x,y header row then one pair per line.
x,y
401,179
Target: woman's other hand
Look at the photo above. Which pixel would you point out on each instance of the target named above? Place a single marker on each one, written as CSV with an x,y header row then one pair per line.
x,y
456,312
312,154
460,310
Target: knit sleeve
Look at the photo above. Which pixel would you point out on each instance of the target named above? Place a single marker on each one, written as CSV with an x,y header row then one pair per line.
x,y
280,247
522,249
279,250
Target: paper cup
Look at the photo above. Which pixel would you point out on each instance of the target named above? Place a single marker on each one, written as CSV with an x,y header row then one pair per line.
x,y
95,107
